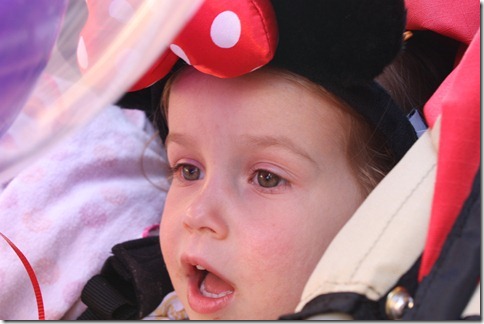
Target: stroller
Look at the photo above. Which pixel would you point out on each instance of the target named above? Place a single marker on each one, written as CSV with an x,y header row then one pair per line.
x,y
411,251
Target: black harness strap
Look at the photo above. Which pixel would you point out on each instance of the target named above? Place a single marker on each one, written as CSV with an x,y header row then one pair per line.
x,y
132,282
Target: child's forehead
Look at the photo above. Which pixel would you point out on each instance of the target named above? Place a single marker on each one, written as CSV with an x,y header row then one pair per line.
x,y
191,73
262,102
264,88
264,80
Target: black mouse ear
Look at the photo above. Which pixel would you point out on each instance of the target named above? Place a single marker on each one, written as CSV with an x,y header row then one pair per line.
x,y
339,41
343,45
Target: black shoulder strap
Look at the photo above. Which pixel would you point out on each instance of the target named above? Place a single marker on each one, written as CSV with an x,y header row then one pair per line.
x,y
444,293
132,282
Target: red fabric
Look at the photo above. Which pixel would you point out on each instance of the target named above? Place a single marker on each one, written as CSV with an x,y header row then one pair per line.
x,y
459,152
458,102
157,71
457,19
97,32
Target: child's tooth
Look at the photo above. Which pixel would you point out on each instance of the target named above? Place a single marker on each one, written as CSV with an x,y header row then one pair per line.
x,y
199,267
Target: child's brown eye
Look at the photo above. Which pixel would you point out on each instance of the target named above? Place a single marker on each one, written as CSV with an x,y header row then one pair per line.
x,y
190,172
267,179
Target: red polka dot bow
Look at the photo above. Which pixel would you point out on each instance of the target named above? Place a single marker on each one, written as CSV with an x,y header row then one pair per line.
x,y
225,38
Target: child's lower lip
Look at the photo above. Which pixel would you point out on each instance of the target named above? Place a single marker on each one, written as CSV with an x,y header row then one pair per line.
x,y
202,304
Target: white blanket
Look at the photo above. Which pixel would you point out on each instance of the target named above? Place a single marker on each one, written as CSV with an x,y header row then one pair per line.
x,y
99,187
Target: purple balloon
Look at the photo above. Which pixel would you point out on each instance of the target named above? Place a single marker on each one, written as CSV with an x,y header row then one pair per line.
x,y
28,31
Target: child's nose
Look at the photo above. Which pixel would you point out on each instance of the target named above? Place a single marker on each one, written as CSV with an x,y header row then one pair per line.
x,y
206,212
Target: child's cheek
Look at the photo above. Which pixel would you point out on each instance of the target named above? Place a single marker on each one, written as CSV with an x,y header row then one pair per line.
x,y
271,247
169,228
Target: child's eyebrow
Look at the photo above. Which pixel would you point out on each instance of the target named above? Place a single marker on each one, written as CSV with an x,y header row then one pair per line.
x,y
279,141
259,142
177,138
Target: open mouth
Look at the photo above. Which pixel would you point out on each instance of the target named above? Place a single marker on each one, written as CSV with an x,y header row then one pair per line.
x,y
208,291
211,285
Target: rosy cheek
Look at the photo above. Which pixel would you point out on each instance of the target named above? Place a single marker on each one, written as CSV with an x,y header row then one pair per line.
x,y
270,247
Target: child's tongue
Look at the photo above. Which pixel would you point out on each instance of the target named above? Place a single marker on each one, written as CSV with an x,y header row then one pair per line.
x,y
214,287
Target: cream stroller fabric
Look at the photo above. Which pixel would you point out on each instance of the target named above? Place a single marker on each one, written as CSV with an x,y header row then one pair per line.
x,y
375,248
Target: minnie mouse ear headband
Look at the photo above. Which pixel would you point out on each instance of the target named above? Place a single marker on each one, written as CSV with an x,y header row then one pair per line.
x,y
341,45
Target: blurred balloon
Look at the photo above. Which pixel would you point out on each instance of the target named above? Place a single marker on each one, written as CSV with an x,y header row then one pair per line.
x,y
43,94
28,30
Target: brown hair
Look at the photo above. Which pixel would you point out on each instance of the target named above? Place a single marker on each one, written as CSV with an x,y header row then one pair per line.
x,y
426,60
370,159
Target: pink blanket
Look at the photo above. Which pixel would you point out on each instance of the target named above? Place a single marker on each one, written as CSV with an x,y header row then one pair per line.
x,y
103,185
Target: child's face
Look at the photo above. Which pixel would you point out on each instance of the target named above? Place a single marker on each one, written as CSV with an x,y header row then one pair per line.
x,y
261,186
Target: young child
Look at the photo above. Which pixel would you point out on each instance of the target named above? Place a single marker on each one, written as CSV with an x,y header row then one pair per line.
x,y
252,189
268,166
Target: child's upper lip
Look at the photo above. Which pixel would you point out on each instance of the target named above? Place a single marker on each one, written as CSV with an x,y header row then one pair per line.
x,y
189,263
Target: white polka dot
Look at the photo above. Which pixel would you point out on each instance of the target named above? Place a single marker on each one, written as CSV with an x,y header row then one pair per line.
x,y
225,30
180,53
82,58
121,10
